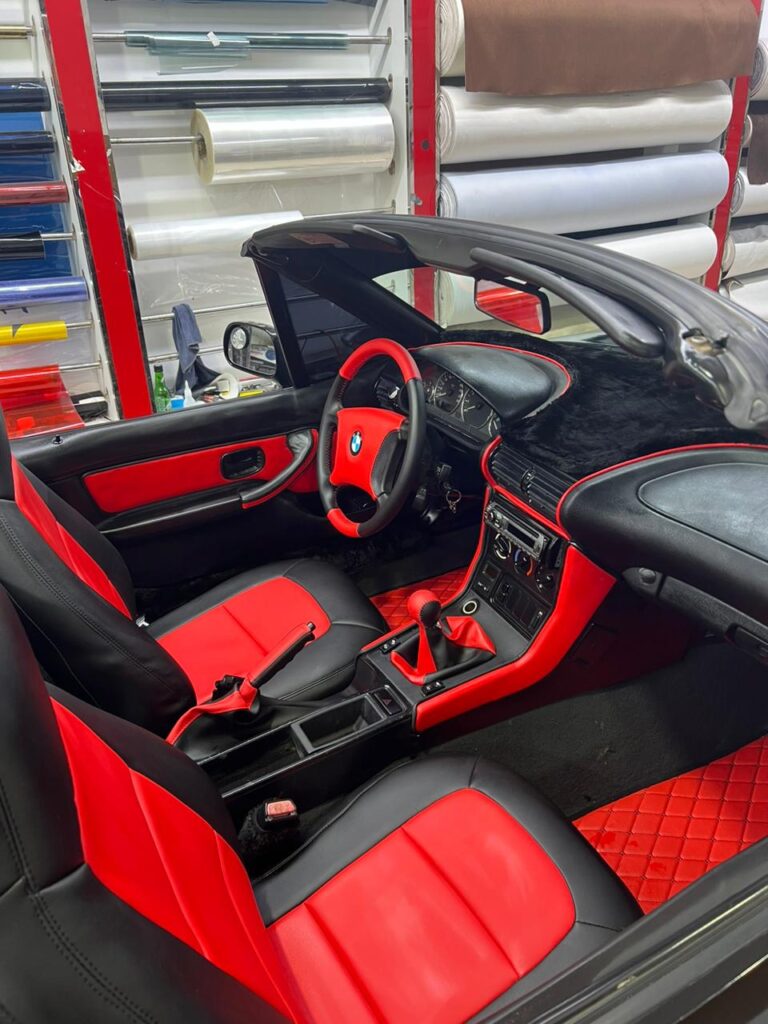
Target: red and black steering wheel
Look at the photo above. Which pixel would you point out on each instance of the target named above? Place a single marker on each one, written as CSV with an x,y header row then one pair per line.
x,y
375,450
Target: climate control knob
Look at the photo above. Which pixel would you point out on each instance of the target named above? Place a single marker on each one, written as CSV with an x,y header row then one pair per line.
x,y
523,563
502,548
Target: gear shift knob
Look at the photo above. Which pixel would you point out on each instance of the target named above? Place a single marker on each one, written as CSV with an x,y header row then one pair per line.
x,y
424,608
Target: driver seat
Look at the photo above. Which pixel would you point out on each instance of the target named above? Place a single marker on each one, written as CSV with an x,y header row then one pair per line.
x,y
77,600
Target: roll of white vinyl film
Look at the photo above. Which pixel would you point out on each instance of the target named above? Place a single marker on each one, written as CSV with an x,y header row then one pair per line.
x,y
748,200
688,250
749,292
163,239
590,196
273,143
451,13
747,251
477,127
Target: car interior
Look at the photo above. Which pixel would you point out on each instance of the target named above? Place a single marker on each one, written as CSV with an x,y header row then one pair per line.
x,y
405,692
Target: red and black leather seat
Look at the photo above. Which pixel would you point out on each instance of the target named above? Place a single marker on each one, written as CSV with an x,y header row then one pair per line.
x,y
443,888
77,601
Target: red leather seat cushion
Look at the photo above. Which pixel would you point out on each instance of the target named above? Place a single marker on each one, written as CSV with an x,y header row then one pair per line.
x,y
432,923
232,637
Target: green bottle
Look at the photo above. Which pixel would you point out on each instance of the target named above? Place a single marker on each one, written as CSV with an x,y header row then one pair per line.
x,y
161,392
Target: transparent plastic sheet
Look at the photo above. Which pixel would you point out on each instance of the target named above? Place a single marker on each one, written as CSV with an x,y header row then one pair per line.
x,y
42,291
266,144
160,240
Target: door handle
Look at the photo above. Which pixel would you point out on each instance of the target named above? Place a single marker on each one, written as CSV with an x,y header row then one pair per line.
x,y
246,462
301,444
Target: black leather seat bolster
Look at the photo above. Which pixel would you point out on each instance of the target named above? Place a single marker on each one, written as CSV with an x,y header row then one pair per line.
x,y
600,898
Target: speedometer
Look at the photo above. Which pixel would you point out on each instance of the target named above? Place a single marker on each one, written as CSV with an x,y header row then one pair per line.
x,y
474,411
449,391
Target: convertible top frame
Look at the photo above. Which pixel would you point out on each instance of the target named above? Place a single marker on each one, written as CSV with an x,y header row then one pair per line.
x,y
701,338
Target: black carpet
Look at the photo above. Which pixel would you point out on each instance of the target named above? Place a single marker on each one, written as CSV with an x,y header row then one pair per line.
x,y
619,407
590,750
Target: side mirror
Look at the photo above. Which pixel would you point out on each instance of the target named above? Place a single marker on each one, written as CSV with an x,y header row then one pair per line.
x,y
251,347
519,306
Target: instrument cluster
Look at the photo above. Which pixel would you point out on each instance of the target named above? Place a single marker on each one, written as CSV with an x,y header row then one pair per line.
x,y
450,397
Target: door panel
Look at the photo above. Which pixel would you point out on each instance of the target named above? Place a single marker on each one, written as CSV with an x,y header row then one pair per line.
x,y
156,486
172,476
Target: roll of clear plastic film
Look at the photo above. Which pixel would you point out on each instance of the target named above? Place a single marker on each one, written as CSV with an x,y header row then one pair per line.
x,y
164,239
240,145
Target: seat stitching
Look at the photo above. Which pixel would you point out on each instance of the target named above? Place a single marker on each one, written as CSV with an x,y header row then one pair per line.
x,y
332,821
83,966
341,955
275,982
201,946
438,870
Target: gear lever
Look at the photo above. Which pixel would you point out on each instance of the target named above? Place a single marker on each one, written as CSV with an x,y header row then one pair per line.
x,y
437,650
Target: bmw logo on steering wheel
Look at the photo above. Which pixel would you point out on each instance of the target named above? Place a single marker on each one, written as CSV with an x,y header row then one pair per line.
x,y
356,442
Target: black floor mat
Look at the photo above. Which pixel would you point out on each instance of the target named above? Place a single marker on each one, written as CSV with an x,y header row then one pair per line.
x,y
587,751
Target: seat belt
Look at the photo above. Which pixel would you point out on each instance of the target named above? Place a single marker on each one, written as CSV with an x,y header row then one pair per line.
x,y
235,694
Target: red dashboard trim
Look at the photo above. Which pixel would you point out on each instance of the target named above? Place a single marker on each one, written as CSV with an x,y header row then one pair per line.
x,y
513,499
583,588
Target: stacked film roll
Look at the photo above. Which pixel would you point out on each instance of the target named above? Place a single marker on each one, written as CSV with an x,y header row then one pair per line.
x,y
748,200
588,196
759,84
274,143
153,240
746,250
451,37
478,127
686,250
751,293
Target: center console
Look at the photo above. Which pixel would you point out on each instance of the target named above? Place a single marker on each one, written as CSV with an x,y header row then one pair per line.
x,y
507,600
519,573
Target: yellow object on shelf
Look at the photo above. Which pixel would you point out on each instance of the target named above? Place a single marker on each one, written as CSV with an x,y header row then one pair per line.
x,y
29,334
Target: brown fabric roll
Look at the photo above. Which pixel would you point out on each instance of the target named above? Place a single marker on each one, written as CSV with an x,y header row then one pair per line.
x,y
591,47
757,164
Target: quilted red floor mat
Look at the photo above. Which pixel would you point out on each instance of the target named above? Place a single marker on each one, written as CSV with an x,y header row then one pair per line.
x,y
391,604
663,838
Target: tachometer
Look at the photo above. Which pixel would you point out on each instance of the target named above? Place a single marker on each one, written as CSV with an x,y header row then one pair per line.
x,y
474,411
448,393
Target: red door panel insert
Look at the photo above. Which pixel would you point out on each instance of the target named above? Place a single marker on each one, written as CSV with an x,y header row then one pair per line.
x,y
173,476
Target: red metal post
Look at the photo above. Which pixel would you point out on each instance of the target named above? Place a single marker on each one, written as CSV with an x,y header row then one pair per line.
x,y
734,139
424,86
79,98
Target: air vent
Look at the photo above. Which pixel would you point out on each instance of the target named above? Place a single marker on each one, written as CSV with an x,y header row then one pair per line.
x,y
540,488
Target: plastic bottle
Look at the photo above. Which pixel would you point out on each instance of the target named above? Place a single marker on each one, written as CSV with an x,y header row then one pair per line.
x,y
189,398
161,393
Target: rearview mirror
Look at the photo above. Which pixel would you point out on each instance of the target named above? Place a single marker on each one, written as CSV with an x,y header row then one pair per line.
x,y
518,306
251,347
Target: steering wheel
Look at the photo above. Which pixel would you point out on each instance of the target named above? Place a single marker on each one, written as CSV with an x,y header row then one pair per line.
x,y
376,450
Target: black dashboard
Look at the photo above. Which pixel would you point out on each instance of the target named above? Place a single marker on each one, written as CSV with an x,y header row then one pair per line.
x,y
472,390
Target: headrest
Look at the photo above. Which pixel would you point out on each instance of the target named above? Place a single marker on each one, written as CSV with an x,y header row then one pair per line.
x,y
39,831
6,459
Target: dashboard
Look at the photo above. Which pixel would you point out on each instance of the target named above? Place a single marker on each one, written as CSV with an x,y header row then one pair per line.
x,y
471,389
